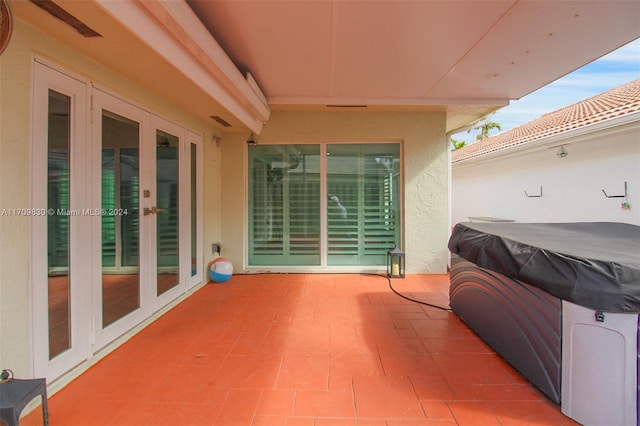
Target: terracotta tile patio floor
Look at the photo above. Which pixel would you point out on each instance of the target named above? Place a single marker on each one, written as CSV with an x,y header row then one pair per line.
x,y
303,350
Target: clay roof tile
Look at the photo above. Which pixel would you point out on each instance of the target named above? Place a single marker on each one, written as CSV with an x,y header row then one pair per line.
x,y
619,101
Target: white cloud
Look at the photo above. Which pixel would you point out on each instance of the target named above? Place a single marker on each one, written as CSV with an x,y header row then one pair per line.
x,y
629,53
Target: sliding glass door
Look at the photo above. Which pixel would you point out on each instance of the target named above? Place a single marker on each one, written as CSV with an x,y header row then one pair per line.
x,y
323,205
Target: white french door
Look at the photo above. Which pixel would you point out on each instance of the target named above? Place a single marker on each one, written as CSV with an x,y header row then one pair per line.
x,y
120,296
121,235
169,272
60,270
142,260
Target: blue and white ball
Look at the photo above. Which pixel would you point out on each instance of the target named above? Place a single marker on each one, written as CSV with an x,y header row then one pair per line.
x,y
221,270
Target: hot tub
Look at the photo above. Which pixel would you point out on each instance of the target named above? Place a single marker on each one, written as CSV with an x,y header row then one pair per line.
x,y
561,303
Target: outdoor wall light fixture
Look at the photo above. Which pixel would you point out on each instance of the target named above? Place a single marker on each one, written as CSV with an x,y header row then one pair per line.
x,y
252,140
562,152
395,263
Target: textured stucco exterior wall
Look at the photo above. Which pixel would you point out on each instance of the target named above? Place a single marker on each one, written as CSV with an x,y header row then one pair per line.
x,y
15,86
571,186
233,208
425,174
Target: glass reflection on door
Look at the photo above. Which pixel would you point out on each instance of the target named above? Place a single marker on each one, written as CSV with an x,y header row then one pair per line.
x,y
58,223
194,209
167,218
120,221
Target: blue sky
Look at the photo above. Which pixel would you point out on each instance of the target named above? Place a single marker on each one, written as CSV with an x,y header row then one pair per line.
x,y
618,67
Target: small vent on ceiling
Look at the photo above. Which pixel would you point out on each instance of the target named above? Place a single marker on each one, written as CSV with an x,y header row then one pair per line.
x,y
66,17
346,106
220,120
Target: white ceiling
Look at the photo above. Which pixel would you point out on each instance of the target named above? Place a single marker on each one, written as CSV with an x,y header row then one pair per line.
x,y
465,57
467,54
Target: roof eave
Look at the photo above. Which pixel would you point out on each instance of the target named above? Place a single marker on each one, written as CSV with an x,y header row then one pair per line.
x,y
172,30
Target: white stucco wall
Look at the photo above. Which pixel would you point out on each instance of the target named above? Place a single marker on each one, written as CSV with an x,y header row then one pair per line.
x,y
601,156
15,173
425,174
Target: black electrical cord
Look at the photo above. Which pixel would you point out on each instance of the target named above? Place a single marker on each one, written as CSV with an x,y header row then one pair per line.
x,y
411,299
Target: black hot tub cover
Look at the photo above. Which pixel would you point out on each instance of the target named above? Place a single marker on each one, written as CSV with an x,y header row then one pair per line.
x,y
591,264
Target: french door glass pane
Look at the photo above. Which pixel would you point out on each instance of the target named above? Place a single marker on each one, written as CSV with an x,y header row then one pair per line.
x,y
109,256
167,214
58,223
362,202
129,220
120,222
194,209
284,204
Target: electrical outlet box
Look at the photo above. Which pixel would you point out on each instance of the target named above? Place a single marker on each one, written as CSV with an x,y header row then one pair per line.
x,y
216,248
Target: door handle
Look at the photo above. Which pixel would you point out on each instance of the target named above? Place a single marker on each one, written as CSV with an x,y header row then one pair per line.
x,y
152,210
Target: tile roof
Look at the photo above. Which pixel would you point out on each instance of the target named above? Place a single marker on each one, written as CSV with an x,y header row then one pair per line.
x,y
619,101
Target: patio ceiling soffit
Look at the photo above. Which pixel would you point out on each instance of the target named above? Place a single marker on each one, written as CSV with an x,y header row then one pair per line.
x,y
467,58
174,32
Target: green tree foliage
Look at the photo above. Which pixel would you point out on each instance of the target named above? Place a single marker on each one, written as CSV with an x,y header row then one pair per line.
x,y
457,144
485,126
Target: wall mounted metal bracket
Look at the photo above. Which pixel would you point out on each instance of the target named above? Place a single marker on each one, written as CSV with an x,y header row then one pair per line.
x,y
617,196
534,196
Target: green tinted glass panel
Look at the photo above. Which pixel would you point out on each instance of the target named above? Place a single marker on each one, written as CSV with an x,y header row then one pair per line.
x,y
109,234
284,205
129,204
362,202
